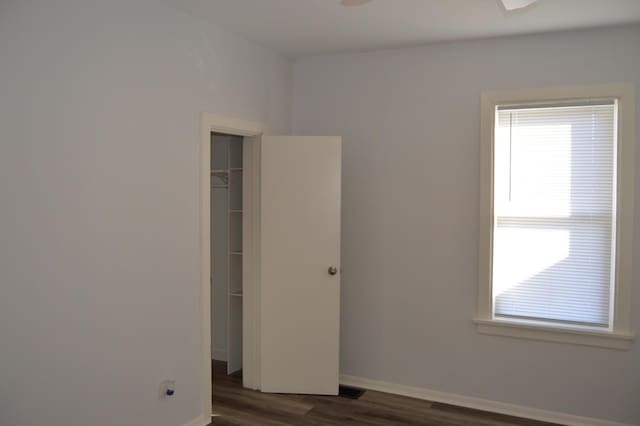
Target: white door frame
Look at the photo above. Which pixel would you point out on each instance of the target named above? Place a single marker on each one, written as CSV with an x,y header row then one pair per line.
x,y
214,123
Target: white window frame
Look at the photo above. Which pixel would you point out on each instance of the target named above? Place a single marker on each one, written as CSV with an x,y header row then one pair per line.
x,y
619,335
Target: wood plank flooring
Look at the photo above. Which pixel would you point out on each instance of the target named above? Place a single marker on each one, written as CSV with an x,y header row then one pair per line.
x,y
238,406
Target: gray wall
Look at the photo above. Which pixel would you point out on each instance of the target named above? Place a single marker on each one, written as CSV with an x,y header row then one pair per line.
x,y
100,105
219,272
410,123
219,251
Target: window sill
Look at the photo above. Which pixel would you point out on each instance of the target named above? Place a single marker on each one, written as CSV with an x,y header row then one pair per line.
x,y
577,336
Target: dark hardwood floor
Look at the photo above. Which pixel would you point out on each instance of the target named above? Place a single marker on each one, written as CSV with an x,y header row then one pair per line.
x,y
237,406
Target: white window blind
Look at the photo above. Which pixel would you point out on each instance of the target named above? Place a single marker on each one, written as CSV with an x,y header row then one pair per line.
x,y
554,205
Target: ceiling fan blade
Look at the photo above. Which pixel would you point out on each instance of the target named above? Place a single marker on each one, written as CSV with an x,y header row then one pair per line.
x,y
517,4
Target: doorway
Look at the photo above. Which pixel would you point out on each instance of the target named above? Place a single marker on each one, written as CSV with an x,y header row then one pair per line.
x,y
244,135
226,249
279,205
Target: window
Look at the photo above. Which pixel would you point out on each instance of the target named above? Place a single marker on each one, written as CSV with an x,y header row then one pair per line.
x,y
556,215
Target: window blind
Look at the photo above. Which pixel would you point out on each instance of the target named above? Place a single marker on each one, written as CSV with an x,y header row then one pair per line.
x,y
554,212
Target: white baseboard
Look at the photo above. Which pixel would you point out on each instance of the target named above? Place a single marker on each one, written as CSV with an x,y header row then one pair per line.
x,y
200,421
477,403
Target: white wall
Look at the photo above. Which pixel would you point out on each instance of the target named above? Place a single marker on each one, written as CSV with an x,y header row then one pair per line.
x,y
100,106
410,124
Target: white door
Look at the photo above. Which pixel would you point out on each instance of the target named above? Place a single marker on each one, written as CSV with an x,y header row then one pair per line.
x,y
300,264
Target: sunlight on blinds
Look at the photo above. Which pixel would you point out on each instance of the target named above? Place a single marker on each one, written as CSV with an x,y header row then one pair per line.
x,y
554,212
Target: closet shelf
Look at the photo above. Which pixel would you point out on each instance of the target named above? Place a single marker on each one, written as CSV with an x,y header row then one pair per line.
x,y
220,186
235,211
223,175
236,169
236,253
235,293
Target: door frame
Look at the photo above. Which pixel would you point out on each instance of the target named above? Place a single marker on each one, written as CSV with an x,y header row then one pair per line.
x,y
251,338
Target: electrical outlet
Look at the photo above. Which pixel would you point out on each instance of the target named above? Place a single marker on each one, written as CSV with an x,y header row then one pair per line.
x,y
167,389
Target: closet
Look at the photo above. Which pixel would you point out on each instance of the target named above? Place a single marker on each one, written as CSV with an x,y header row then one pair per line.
x,y
273,230
226,249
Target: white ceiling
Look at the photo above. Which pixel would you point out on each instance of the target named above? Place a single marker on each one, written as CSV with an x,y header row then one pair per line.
x,y
303,27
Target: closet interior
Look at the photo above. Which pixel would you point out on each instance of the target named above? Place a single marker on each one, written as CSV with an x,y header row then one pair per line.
x,y
226,249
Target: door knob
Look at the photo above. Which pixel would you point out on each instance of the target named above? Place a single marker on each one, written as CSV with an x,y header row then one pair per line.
x,y
333,270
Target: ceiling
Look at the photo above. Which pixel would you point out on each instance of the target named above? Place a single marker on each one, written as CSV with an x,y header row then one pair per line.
x,y
304,27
